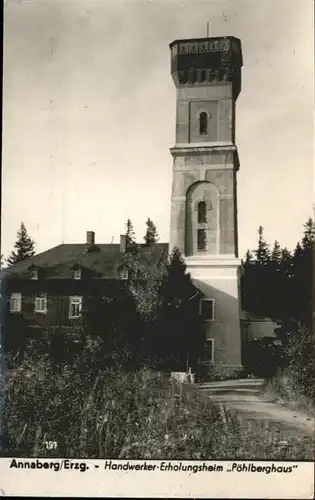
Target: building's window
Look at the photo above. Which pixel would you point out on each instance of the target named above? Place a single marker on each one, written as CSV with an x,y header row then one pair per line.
x,y
203,76
192,75
16,302
210,349
77,274
203,47
224,45
193,48
183,48
203,123
201,243
213,46
184,77
75,307
207,309
34,274
41,303
124,274
202,212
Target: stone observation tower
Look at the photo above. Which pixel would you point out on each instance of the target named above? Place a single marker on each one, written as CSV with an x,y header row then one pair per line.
x,y
207,76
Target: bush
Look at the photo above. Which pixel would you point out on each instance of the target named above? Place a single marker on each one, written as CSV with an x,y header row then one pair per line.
x,y
116,415
112,412
299,376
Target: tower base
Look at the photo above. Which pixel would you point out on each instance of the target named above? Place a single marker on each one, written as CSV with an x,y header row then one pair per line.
x,y
218,278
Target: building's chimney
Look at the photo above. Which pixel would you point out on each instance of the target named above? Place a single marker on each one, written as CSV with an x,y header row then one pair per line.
x,y
123,243
90,237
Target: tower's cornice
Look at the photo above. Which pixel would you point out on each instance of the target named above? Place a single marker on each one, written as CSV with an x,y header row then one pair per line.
x,y
211,148
203,39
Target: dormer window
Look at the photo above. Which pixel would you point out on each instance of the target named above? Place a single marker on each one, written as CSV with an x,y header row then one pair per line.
x,y
34,274
77,273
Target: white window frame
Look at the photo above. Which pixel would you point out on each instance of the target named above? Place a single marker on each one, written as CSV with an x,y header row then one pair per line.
x,y
213,310
124,274
211,342
40,305
16,302
77,274
74,299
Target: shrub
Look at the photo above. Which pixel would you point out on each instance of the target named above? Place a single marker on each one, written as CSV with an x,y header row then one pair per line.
x,y
95,411
300,373
116,415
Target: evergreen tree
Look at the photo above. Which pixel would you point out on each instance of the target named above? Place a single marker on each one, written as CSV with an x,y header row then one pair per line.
x,y
302,269
276,253
263,251
24,247
131,245
151,237
309,234
249,258
298,251
286,262
180,336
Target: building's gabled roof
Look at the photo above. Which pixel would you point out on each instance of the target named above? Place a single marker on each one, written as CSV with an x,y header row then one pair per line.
x,y
104,259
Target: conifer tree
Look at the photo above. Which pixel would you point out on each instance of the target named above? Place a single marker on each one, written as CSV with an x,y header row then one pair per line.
x,y
298,251
151,237
302,269
180,335
286,262
249,258
276,253
24,247
309,234
130,233
263,251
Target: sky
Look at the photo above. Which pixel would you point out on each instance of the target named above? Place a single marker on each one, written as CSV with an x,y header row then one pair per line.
x,y
89,116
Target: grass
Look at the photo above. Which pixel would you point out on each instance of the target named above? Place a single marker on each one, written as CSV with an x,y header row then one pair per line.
x,y
140,415
272,440
283,390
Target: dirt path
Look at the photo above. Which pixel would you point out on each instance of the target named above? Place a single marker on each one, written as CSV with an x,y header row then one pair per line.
x,y
248,398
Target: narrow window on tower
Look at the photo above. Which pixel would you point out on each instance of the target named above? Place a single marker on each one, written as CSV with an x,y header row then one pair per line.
x,y
203,123
202,212
201,239
203,76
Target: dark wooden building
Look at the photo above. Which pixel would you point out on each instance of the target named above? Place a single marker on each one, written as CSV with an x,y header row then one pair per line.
x,y
51,289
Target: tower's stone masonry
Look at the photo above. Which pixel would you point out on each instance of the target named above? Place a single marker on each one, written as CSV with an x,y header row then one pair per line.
x,y
207,75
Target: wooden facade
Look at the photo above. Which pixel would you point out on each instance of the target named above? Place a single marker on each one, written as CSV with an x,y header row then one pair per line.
x,y
21,324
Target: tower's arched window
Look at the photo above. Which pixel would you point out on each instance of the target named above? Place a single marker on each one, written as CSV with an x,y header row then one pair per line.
x,y
201,239
202,212
203,123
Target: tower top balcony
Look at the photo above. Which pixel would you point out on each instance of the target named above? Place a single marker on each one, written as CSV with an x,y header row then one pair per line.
x,y
204,61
